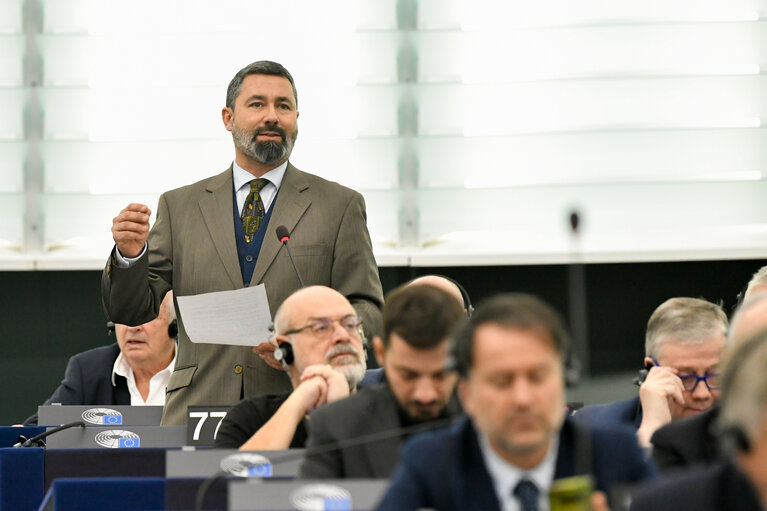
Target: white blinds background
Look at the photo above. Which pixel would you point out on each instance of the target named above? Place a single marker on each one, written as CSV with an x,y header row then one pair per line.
x,y
472,128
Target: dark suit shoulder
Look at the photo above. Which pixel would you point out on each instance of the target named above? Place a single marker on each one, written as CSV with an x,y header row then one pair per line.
x,y
98,356
627,413
615,456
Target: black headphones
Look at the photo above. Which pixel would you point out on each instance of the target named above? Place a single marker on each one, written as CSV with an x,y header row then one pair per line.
x,y
284,353
735,435
464,294
172,329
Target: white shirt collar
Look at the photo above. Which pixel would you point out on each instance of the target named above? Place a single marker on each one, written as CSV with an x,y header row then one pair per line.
x,y
505,476
242,177
157,383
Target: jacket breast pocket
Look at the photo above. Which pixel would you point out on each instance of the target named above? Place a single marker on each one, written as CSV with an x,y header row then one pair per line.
x,y
181,378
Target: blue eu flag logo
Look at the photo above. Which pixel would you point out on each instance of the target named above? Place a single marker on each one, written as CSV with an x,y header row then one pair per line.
x,y
113,419
337,504
263,470
129,443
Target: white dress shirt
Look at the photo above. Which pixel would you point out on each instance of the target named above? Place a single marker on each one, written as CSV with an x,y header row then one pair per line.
x,y
157,384
505,476
242,179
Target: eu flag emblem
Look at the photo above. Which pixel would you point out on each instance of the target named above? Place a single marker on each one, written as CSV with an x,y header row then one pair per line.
x,y
129,443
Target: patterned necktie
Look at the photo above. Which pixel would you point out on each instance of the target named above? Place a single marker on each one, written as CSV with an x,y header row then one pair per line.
x,y
253,210
526,493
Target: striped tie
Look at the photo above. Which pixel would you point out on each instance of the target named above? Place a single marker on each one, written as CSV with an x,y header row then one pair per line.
x,y
253,210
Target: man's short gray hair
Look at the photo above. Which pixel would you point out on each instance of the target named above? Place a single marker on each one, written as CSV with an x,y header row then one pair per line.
x,y
683,320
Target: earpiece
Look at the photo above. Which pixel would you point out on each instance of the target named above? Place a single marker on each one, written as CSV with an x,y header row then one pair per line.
x,y
284,353
173,329
110,327
642,374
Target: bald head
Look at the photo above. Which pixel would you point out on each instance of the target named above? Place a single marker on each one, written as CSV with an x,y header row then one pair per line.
x,y
440,283
750,318
322,327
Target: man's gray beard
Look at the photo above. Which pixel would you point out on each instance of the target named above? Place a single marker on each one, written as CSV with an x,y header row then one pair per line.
x,y
354,373
268,153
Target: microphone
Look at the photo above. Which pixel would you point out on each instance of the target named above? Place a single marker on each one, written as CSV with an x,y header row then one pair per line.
x,y
284,236
577,363
37,440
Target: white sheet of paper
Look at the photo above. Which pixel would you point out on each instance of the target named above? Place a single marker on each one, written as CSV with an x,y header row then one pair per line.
x,y
240,317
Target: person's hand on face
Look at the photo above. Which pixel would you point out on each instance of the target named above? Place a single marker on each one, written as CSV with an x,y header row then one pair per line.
x,y
310,393
661,390
337,384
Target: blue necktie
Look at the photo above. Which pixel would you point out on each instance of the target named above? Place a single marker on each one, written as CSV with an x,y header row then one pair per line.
x,y
526,493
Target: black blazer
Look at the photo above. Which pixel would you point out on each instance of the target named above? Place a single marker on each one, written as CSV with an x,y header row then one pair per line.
x,y
721,487
445,470
88,381
687,441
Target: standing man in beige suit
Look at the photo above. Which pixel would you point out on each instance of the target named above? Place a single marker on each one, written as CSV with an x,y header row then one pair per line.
x,y
219,234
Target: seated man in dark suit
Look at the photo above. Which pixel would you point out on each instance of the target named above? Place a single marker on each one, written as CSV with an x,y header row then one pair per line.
x,y
134,371
516,440
417,320
692,440
683,344
320,345
738,483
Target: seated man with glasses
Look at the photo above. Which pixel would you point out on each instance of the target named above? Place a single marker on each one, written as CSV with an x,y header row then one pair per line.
x,y
693,441
320,345
683,345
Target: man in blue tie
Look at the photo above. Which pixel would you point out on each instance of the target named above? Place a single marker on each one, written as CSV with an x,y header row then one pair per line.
x,y
516,440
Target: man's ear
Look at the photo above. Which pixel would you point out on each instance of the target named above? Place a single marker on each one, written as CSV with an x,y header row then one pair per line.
x,y
227,115
648,363
378,349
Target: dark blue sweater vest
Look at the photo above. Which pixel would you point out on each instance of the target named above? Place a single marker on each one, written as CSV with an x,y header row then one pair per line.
x,y
248,252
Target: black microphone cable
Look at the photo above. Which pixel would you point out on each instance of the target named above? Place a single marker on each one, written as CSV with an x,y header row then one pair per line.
x,y
284,236
37,440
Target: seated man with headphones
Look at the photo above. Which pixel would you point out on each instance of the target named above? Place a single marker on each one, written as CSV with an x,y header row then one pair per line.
x,y
320,345
692,440
418,320
134,371
740,481
683,345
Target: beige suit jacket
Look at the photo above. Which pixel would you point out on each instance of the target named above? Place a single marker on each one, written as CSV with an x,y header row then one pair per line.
x,y
192,250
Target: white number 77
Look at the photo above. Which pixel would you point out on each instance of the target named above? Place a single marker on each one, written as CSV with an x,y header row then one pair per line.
x,y
203,416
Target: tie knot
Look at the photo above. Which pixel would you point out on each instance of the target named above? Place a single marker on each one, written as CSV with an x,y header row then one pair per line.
x,y
527,493
256,185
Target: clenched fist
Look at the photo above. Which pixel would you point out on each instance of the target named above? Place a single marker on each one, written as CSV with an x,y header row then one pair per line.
x,y
130,229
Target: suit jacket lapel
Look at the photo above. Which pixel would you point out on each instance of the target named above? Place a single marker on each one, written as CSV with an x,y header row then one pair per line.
x,y
289,206
382,456
217,211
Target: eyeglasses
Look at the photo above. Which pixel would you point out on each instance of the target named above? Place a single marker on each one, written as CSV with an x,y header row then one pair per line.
x,y
690,381
322,328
